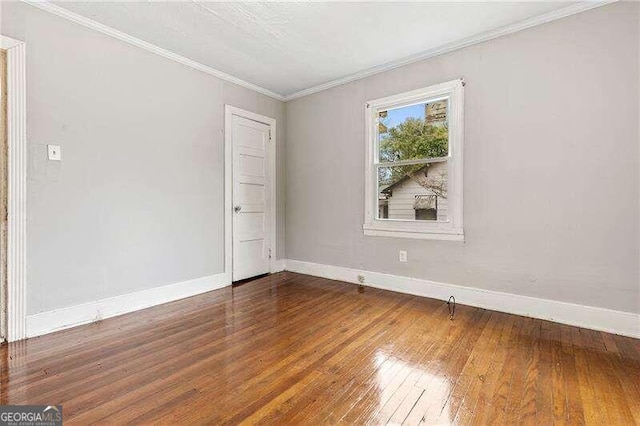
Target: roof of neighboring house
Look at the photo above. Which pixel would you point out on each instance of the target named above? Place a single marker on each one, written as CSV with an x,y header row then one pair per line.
x,y
425,202
389,187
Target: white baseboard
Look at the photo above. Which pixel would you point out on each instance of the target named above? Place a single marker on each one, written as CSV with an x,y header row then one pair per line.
x,y
59,319
277,265
617,322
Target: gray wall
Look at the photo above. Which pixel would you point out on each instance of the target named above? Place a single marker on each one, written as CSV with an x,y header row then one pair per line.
x,y
137,201
551,182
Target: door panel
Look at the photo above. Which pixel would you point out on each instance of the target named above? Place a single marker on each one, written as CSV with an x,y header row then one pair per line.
x,y
251,225
249,135
251,193
250,198
251,165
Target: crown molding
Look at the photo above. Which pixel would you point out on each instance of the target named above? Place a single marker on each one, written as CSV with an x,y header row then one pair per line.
x,y
456,45
112,32
437,51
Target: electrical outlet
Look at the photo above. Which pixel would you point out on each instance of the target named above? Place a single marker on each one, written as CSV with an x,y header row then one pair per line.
x,y
361,279
402,256
54,152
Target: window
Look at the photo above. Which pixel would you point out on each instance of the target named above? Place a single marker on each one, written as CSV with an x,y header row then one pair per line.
x,y
426,207
414,164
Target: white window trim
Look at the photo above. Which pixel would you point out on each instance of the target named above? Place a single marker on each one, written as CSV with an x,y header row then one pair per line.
x,y
451,230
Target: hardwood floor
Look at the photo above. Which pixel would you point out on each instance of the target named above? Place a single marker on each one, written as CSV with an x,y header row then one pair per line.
x,y
291,348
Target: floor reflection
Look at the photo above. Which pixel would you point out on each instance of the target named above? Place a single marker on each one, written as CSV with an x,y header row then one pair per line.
x,y
12,370
411,393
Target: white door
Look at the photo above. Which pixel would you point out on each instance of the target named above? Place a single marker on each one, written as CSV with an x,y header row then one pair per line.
x,y
251,203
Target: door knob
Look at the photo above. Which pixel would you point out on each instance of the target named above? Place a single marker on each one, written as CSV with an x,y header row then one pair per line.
x,y
237,209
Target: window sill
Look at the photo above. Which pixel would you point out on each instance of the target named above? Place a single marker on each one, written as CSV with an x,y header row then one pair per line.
x,y
449,234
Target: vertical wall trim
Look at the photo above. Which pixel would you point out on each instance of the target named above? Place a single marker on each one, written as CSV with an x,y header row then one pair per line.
x,y
228,190
17,190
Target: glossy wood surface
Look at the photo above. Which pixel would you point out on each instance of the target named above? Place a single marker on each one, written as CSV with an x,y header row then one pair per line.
x,y
296,349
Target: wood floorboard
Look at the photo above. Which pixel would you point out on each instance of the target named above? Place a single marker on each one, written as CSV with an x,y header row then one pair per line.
x,y
296,349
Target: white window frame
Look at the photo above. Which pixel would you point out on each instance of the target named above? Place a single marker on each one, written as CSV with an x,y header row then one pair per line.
x,y
452,229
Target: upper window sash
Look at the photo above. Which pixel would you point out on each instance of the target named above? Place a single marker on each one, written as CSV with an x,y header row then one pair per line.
x,y
437,128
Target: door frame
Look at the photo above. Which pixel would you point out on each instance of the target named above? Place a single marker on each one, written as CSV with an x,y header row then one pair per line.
x,y
16,285
229,112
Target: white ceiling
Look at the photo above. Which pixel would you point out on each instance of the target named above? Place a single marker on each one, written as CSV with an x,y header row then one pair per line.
x,y
289,47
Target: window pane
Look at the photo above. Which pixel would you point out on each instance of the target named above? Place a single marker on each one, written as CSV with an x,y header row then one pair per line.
x,y
414,132
416,192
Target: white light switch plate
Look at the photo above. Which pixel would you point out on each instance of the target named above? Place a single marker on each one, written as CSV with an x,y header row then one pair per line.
x,y
402,256
54,152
